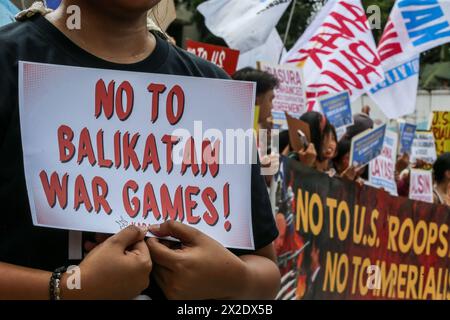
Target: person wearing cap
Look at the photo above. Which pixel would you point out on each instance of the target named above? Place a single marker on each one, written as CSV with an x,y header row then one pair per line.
x,y
361,122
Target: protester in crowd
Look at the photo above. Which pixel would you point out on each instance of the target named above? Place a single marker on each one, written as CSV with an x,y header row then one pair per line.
x,y
266,83
323,141
361,122
366,110
401,164
441,173
341,163
403,169
265,86
342,160
114,35
402,175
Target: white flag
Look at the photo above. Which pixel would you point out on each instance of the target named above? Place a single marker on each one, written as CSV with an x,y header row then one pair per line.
x,y
269,52
396,96
337,52
243,24
421,24
413,27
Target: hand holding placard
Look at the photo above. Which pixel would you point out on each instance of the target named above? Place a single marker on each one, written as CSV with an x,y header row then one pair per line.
x,y
187,273
295,125
122,256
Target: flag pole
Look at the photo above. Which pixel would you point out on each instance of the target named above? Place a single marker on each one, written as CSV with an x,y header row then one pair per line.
x,y
291,15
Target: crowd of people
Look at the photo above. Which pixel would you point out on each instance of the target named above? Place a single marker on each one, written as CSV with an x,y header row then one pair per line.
x,y
326,153
330,155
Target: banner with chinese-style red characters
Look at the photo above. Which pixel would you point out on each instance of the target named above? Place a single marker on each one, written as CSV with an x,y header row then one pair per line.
x,y
337,52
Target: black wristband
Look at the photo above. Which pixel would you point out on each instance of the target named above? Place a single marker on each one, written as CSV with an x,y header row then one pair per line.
x,y
54,285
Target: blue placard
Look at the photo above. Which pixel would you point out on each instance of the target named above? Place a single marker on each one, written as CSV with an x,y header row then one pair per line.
x,y
367,146
407,132
337,109
279,119
53,4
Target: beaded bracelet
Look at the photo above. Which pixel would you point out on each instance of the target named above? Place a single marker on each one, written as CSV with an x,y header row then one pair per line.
x,y
54,285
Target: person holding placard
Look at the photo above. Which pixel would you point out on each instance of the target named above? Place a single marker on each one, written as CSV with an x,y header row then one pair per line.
x,y
342,160
323,139
114,35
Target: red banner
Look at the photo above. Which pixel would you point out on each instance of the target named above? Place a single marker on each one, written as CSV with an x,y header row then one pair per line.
x,y
223,57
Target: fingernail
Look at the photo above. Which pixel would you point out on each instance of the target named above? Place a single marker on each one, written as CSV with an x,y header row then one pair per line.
x,y
154,228
144,229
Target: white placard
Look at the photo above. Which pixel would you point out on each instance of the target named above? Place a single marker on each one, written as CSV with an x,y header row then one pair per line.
x,y
99,156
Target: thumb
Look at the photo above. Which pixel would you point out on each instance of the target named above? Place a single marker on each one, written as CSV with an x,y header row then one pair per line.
x,y
175,229
128,236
